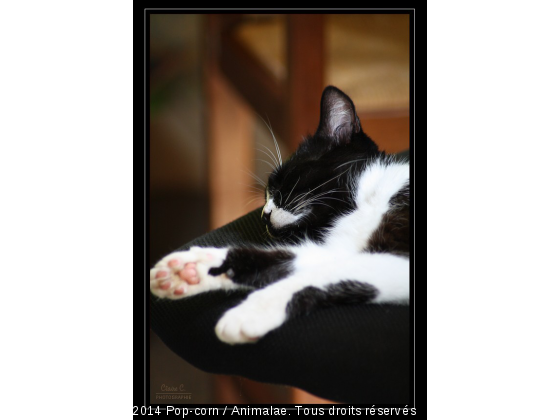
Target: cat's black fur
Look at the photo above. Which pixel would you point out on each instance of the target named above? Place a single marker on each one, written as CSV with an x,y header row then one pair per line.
x,y
344,292
326,159
323,159
393,234
255,267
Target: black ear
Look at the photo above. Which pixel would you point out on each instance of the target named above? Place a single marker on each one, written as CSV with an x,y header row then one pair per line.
x,y
338,116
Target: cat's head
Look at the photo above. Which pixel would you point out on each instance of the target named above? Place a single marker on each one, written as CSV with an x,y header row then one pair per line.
x,y
312,186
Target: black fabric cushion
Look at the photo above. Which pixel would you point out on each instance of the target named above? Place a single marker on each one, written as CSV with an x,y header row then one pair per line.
x,y
352,354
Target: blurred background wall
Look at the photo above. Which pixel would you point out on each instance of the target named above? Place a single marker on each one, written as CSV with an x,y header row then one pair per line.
x,y
214,80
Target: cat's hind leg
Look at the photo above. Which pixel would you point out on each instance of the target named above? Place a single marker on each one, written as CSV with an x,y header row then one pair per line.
x,y
323,278
185,273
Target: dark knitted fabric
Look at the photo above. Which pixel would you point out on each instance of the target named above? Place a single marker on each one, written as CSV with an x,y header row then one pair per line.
x,y
350,353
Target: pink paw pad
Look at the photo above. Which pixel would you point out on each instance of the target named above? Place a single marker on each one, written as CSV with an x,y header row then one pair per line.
x,y
189,274
173,264
179,291
165,286
161,274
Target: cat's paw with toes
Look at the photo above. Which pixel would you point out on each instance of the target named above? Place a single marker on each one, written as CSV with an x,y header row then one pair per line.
x,y
251,320
185,273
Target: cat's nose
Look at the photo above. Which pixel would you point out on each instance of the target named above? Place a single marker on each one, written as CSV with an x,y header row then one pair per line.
x,y
266,216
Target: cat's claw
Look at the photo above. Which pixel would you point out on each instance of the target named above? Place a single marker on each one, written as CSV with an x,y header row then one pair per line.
x,y
185,273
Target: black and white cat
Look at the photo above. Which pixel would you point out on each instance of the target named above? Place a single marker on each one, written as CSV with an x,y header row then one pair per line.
x,y
345,202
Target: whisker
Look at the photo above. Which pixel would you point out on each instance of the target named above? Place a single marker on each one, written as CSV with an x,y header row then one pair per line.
x,y
337,176
273,138
323,204
253,189
292,191
352,161
334,198
310,200
267,162
298,197
256,195
256,178
269,153
250,201
277,148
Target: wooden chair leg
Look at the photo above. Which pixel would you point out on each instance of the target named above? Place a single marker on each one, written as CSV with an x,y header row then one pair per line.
x,y
230,125
306,68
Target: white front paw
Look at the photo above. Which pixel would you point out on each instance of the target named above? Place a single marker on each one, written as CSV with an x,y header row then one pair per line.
x,y
185,273
251,320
